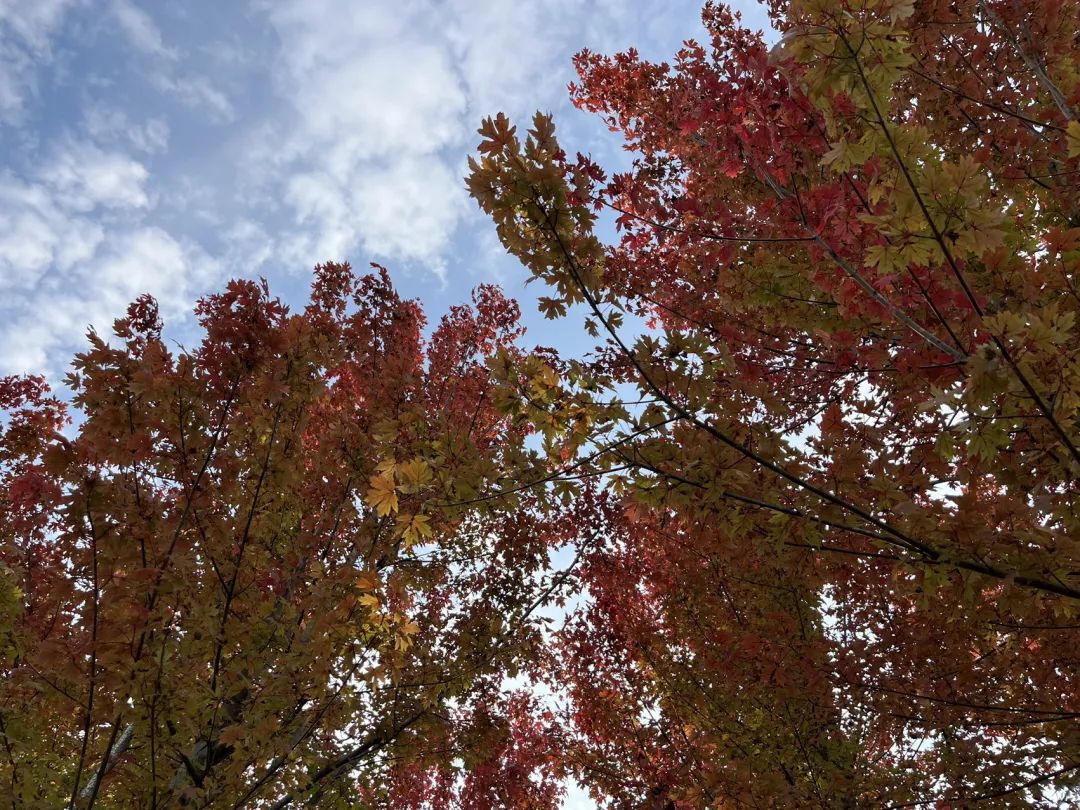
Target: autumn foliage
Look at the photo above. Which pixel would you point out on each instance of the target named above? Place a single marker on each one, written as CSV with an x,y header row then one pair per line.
x,y
818,487
850,572
243,577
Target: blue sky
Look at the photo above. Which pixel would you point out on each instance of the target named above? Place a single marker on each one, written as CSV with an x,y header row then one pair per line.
x,y
166,147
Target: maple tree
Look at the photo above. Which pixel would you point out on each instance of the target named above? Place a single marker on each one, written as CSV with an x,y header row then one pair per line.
x,y
256,573
849,569
827,555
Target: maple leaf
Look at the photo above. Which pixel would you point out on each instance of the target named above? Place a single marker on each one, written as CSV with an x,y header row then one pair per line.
x,y
497,133
382,494
414,528
552,307
1073,138
414,474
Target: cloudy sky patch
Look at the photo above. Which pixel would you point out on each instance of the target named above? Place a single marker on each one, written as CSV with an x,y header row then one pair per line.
x,y
166,147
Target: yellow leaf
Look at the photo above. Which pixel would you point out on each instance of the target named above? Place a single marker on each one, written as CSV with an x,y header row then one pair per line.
x,y
421,524
369,600
414,473
367,580
1072,135
836,154
382,495
414,527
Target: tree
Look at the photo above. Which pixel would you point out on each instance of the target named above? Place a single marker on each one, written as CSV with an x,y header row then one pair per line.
x,y
257,572
850,572
828,552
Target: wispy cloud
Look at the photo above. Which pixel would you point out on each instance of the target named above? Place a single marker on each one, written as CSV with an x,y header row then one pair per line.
x,y
196,92
37,235
26,31
140,29
82,177
49,222
96,291
381,102
111,125
75,249
373,98
160,147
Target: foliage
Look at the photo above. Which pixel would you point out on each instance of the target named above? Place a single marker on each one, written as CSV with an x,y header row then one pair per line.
x,y
850,572
827,554
247,576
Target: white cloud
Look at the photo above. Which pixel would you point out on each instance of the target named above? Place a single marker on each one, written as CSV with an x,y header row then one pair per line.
x,y
324,218
385,98
411,207
357,118
33,21
63,306
248,245
36,234
407,208
45,221
509,52
26,30
381,101
196,92
374,97
140,29
112,125
75,249
85,177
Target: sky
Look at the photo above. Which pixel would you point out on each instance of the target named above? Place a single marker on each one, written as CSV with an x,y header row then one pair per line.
x,y
167,147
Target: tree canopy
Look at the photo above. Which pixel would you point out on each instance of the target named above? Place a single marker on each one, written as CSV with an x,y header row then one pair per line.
x,y
252,576
850,573
818,485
